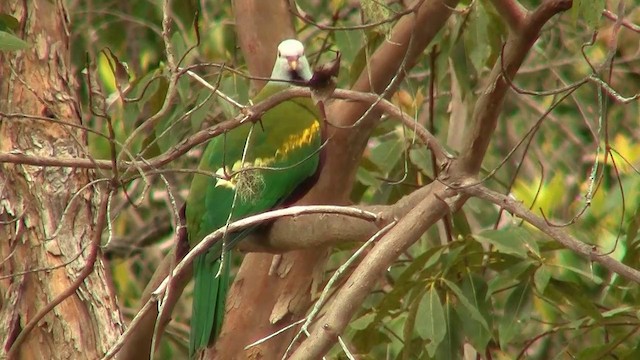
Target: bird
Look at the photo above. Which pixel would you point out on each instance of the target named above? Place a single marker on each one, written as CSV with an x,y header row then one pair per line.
x,y
259,166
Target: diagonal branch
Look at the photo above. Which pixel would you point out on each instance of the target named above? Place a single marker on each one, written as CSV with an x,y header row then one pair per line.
x,y
489,104
588,251
442,197
512,12
367,274
184,266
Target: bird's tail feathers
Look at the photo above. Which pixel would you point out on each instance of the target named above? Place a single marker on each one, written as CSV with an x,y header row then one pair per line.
x,y
209,295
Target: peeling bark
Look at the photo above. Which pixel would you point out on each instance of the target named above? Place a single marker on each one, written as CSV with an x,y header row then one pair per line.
x,y
48,213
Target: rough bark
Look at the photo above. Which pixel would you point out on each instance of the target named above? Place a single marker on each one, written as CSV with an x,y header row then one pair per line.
x,y
48,213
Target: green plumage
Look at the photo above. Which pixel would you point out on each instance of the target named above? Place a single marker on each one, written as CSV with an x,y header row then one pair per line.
x,y
287,142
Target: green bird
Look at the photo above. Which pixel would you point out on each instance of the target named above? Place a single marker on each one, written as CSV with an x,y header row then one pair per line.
x,y
259,166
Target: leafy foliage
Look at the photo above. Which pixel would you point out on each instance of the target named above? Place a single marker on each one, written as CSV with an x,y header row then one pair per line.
x,y
8,40
485,284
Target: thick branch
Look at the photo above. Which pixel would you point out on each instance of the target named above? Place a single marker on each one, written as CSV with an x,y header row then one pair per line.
x,y
184,266
287,295
286,233
432,208
313,230
347,301
384,72
512,12
489,104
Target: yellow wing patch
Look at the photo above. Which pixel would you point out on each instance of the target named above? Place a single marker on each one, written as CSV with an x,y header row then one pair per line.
x,y
299,140
242,171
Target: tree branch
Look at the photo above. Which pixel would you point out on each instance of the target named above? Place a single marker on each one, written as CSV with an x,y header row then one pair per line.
x,y
314,230
588,251
384,72
512,12
367,274
434,207
259,45
251,114
14,347
285,234
288,295
489,104
185,265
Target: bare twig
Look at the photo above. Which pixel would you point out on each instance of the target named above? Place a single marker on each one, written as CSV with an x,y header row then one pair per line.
x,y
626,23
489,104
252,113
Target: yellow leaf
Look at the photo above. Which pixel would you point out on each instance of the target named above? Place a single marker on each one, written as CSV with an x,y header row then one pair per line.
x,y
106,74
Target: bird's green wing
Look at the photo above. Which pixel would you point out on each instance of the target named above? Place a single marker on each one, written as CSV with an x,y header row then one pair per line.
x,y
261,164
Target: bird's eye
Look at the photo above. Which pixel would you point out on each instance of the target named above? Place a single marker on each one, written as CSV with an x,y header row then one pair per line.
x,y
279,54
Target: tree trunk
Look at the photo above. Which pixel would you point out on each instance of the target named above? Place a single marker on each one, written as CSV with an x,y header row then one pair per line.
x,y
48,214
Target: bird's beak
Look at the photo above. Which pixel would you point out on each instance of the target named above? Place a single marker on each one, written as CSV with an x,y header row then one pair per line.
x,y
293,63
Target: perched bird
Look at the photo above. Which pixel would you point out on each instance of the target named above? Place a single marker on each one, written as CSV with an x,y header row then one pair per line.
x,y
260,166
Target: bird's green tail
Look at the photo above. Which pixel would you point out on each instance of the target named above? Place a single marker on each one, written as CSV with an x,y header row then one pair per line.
x,y
209,295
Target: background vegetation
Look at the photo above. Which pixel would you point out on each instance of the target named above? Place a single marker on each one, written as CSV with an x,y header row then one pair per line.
x,y
491,279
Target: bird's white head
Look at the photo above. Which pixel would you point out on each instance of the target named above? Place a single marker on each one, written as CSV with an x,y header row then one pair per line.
x,y
291,64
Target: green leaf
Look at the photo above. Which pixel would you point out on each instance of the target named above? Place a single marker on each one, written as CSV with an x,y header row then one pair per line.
x,y
362,322
547,194
10,42
8,22
475,37
461,224
375,12
430,321
574,295
424,261
632,229
367,177
515,315
475,289
601,351
634,353
511,240
511,272
453,256
465,75
471,308
198,116
589,276
541,278
349,43
451,345
407,331
359,63
616,311
386,154
589,10
421,158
